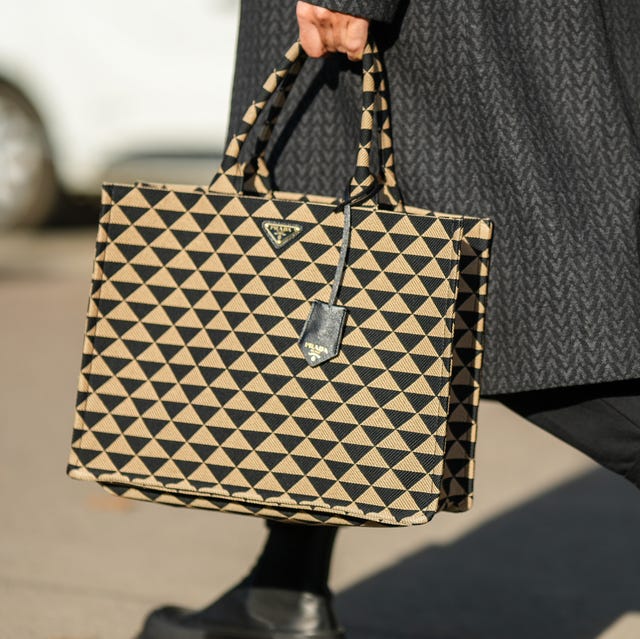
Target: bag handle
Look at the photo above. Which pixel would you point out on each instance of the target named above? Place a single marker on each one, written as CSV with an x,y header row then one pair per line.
x,y
375,109
390,193
233,175
257,173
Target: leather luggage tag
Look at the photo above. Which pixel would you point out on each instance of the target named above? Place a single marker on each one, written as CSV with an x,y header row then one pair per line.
x,y
322,332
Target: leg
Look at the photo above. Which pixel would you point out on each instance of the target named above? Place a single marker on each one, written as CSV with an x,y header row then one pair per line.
x,y
295,558
286,594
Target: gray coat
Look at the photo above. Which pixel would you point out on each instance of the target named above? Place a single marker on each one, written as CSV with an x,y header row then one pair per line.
x,y
526,111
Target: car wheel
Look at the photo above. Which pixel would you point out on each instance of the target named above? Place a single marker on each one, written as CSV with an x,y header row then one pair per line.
x,y
28,185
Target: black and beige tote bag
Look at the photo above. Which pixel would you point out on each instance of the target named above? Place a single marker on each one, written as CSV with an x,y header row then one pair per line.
x,y
290,356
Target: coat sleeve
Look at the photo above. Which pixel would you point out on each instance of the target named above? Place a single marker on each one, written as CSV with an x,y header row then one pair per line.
x,y
382,10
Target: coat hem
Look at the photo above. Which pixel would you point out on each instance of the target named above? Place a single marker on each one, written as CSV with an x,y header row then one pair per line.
x,y
489,391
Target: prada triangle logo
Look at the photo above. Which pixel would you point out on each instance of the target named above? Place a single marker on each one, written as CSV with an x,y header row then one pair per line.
x,y
279,232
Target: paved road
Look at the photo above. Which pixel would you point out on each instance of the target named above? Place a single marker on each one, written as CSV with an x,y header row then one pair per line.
x,y
551,549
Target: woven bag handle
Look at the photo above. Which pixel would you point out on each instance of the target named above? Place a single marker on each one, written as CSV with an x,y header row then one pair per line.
x,y
375,105
257,173
231,174
234,176
390,193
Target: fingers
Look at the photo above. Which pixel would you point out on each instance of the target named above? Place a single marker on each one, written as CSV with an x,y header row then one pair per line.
x,y
323,31
328,28
356,38
310,33
312,41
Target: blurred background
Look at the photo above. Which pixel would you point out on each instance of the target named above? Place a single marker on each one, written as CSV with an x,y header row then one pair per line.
x,y
139,90
92,92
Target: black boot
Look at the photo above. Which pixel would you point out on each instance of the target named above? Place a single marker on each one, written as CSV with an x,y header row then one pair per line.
x,y
286,595
249,613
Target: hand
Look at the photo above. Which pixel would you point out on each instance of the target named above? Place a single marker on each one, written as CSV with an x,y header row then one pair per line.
x,y
323,31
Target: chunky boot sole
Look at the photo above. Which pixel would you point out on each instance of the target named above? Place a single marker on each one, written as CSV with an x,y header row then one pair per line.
x,y
165,625
248,613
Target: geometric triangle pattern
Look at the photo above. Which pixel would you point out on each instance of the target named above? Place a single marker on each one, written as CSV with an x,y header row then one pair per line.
x,y
462,421
193,389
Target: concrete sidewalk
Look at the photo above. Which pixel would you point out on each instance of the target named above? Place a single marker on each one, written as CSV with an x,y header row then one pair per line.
x,y
551,549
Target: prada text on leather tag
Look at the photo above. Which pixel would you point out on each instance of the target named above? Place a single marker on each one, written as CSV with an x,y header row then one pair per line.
x,y
322,332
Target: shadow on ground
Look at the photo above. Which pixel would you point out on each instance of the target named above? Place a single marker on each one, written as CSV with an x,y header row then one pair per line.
x,y
565,565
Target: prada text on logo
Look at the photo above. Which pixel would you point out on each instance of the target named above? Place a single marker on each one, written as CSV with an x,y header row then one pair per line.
x,y
281,233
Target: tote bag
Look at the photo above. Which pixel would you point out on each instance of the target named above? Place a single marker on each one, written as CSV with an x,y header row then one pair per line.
x,y
290,356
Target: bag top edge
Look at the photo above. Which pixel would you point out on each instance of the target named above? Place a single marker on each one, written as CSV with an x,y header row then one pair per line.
x,y
287,196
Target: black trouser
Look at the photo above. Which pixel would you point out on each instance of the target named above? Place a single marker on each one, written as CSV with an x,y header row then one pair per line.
x,y
602,420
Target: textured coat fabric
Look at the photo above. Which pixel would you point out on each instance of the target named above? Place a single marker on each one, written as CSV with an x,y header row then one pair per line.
x,y
526,111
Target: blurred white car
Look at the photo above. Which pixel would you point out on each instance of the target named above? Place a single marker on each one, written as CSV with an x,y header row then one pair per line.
x,y
94,90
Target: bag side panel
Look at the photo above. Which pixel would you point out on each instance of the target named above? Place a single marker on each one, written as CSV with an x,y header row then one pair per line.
x,y
81,428
459,468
